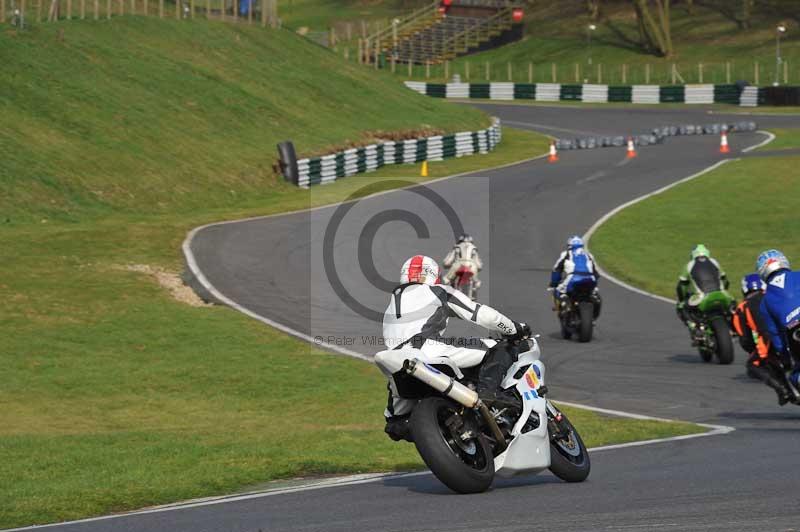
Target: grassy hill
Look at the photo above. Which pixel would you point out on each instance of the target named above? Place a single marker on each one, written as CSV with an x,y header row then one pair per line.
x,y
147,116
556,32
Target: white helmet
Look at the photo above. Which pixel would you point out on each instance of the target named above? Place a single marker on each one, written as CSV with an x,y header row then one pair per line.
x,y
420,269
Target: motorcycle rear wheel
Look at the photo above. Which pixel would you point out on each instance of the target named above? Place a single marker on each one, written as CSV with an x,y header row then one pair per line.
x,y
464,467
569,459
722,335
586,312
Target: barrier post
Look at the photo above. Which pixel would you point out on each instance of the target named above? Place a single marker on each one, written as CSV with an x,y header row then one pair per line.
x,y
2,11
466,70
700,72
122,7
785,72
530,71
647,74
756,72
250,13
377,52
410,72
599,73
624,73
487,70
446,71
38,11
235,11
509,71
160,8
146,7
427,69
577,73
108,9
97,9
393,64
553,71
69,9
83,9
674,73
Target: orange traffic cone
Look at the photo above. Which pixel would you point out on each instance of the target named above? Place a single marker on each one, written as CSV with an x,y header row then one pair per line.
x,y
631,149
723,143
553,157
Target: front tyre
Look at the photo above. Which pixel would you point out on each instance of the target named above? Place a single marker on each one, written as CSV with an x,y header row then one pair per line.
x,y
586,311
722,337
569,459
463,466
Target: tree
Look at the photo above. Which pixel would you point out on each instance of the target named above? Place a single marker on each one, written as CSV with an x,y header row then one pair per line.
x,y
593,7
655,32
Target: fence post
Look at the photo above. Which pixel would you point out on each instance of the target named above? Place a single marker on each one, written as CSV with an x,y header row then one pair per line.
x,y
509,71
410,72
160,8
756,72
427,69
530,71
700,72
83,9
486,64
599,73
393,64
349,29
360,51
122,7
38,11
647,74
377,52
674,73
146,7
553,71
69,9
2,11
785,72
446,70
466,70
178,9
577,73
236,11
250,13
727,71
363,29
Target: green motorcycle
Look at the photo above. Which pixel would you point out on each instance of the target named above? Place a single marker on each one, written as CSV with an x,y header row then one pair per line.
x,y
709,315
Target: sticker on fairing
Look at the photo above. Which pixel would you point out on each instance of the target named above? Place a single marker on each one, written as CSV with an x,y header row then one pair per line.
x,y
532,379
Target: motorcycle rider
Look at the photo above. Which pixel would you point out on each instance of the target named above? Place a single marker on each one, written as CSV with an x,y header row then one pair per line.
x,y
417,316
463,255
574,265
701,275
749,325
780,307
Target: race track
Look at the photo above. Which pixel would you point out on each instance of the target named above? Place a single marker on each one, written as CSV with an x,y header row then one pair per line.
x,y
640,360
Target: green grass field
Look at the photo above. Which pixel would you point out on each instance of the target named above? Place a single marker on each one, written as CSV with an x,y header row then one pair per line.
x,y
556,33
737,211
785,139
119,390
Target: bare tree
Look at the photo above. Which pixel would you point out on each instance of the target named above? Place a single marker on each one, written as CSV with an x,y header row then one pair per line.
x,y
593,7
746,14
655,32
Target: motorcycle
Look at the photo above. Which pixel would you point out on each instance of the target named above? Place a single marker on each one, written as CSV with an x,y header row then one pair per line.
x,y
464,442
465,282
709,325
578,310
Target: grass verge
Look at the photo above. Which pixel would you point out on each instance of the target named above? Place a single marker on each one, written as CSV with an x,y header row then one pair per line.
x,y
785,139
737,211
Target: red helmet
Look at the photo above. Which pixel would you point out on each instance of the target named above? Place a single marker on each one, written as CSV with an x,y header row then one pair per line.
x,y
420,269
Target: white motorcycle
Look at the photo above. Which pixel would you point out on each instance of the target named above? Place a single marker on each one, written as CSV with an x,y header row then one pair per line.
x,y
465,443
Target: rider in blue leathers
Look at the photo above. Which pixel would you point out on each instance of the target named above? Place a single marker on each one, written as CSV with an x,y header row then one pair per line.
x,y
575,266
780,307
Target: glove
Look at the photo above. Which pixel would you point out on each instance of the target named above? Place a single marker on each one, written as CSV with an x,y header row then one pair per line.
x,y
523,332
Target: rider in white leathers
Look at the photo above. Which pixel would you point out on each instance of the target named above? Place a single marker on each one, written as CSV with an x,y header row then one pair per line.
x,y
417,316
464,254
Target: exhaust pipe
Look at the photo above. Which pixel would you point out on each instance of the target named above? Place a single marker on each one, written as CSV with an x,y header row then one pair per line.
x,y
455,391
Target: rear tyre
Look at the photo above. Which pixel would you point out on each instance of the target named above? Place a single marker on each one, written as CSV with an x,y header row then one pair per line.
x,y
722,337
569,459
566,334
586,311
464,467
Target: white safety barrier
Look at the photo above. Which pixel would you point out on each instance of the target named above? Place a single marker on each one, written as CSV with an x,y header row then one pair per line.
x,y
645,94
548,92
699,94
595,93
501,91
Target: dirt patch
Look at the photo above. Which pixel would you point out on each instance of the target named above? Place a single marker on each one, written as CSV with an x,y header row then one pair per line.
x,y
170,281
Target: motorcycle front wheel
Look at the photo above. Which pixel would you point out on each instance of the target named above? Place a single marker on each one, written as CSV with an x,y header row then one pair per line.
x,y
463,466
569,459
722,336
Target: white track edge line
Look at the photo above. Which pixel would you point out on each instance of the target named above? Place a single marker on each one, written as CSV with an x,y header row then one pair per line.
x,y
770,138
365,478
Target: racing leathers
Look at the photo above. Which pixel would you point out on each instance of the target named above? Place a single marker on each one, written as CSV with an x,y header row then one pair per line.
x,y
751,328
463,255
700,276
780,309
416,318
574,266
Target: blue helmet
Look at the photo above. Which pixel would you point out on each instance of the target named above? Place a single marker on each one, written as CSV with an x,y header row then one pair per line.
x,y
771,261
574,242
752,282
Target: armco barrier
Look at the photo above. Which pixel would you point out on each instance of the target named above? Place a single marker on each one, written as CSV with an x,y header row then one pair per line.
x,y
328,168
645,94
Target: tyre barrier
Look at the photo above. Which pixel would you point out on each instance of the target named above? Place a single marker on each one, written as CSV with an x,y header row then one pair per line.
x,y
329,168
657,136
734,94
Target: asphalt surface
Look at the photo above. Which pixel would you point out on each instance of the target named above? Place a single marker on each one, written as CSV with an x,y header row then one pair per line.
x,y
640,359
